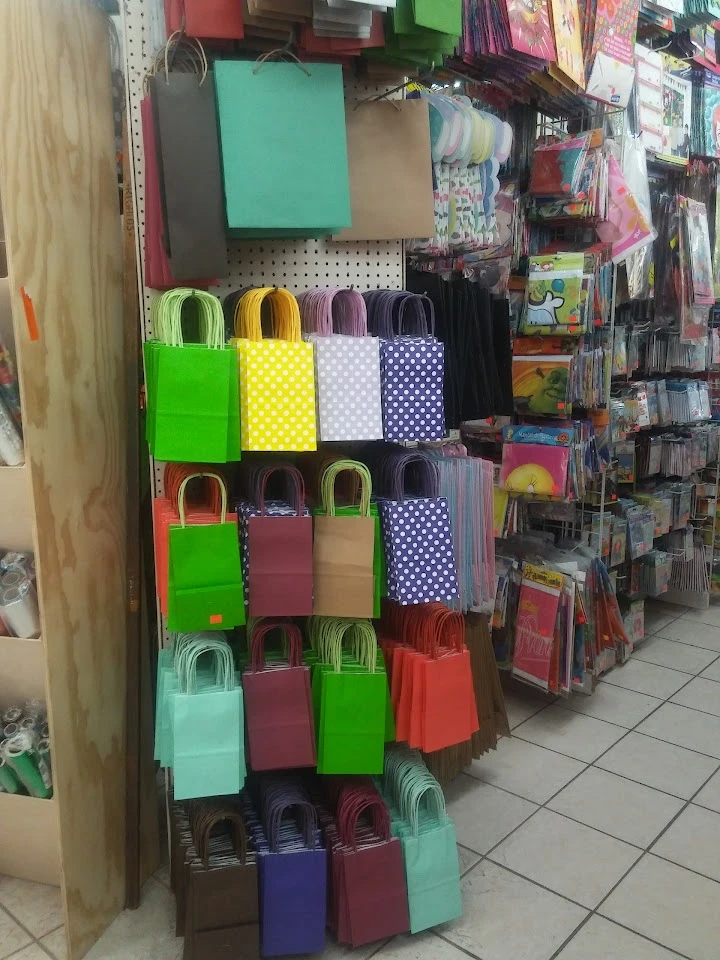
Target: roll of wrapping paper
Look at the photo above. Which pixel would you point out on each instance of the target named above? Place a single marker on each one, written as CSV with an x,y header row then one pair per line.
x,y
29,765
10,730
28,724
8,778
45,730
9,386
43,749
35,708
18,608
13,578
12,714
11,445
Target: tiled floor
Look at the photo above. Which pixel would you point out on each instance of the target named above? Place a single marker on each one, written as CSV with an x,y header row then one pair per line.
x,y
593,834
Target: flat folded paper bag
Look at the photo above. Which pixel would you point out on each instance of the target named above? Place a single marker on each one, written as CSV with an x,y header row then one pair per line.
x,y
343,579
391,186
272,115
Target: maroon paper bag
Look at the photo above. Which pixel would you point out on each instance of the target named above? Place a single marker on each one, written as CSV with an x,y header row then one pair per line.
x,y
278,711
280,557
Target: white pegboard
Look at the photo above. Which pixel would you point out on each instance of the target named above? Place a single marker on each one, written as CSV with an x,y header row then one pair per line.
x,y
295,264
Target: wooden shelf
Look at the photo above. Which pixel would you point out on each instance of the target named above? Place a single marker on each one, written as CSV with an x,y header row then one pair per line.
x,y
30,845
15,509
22,670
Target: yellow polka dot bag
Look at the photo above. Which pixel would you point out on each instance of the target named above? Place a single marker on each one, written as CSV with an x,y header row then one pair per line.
x,y
277,377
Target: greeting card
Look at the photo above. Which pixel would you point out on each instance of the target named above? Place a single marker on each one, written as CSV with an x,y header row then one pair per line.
x,y
530,30
535,624
568,41
613,66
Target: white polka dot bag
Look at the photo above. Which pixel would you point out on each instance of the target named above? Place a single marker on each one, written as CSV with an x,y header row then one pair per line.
x,y
417,537
347,364
277,376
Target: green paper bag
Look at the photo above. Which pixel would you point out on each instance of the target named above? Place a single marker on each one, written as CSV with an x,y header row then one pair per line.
x,y
193,409
445,16
208,727
205,588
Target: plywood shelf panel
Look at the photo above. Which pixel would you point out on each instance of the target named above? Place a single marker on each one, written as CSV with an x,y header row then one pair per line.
x,y
15,509
22,672
30,845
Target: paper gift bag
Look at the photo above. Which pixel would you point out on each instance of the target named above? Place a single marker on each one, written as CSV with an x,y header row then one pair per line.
x,y
205,588
418,541
222,910
280,556
207,722
219,19
188,152
277,378
343,551
192,388
391,183
272,111
280,728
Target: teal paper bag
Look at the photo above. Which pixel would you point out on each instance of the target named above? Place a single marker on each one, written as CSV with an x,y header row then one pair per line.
x,y
283,144
432,873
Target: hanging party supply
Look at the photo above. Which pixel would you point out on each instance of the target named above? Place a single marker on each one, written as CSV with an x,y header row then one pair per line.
x,y
541,384
556,302
191,388
205,587
347,364
277,547
427,834
200,717
535,460
343,550
611,64
350,696
627,226
411,365
277,378
268,112
278,703
431,682
416,532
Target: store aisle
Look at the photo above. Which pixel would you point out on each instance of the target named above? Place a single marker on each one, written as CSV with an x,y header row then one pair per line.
x,y
593,834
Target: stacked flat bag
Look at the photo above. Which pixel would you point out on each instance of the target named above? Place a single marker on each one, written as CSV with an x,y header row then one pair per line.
x,y
284,148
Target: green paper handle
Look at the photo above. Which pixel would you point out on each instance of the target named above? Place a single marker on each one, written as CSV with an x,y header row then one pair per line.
x,y
223,495
166,313
328,485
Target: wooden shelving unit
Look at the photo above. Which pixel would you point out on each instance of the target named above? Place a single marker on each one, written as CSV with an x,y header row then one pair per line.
x,y
61,309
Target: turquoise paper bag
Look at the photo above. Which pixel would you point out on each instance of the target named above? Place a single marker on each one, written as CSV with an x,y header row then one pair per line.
x,y
284,147
208,729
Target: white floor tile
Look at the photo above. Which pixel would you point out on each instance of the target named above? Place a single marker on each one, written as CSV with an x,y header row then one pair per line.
x,y
423,946
601,939
709,616
12,936
56,943
484,815
713,671
31,952
670,905
700,694
709,796
37,906
521,704
146,932
676,656
663,766
685,727
467,859
620,807
508,918
614,704
558,852
646,678
583,738
525,769
696,633
693,841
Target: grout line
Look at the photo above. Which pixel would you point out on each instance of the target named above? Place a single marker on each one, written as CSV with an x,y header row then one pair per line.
x,y
682,866
468,953
22,927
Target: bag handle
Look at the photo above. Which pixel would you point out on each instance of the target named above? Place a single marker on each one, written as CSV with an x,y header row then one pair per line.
x,y
338,310
425,789
298,483
257,643
429,475
223,495
284,310
424,314
167,316
350,809
328,485
363,637
204,821
306,814
186,668
173,476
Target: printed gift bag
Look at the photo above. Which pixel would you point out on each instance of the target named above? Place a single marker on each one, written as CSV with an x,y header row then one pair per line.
x,y
205,588
418,541
192,388
347,364
277,377
343,551
412,367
